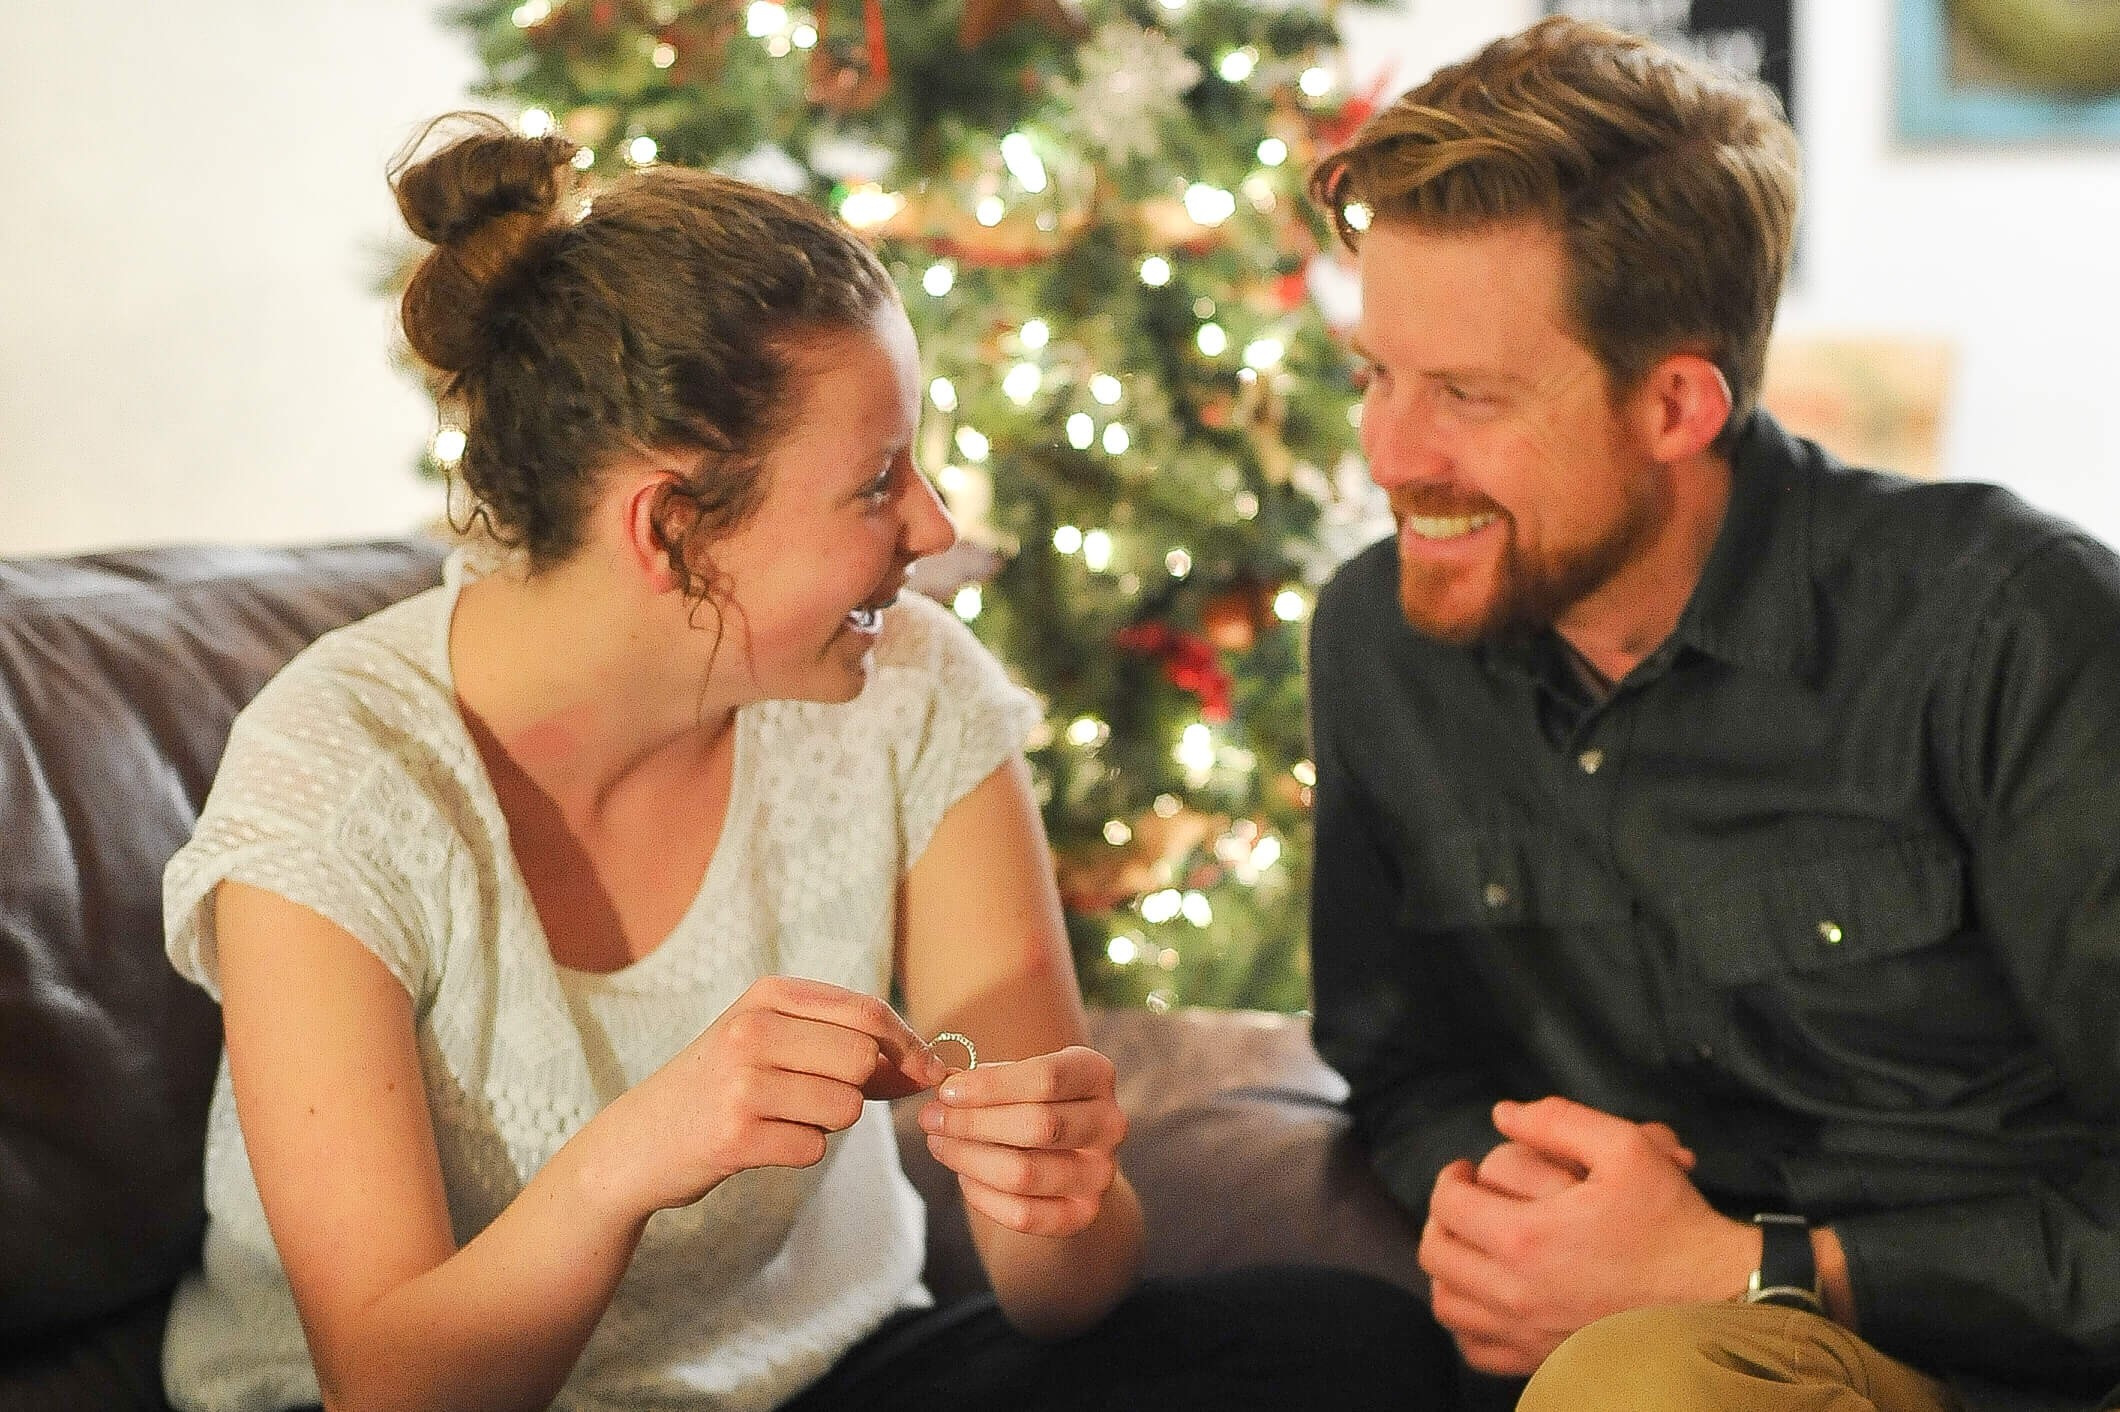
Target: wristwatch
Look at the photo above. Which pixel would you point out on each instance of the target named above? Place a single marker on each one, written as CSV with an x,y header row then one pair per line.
x,y
1787,1275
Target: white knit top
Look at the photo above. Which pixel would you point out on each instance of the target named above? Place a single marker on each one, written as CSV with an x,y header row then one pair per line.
x,y
350,786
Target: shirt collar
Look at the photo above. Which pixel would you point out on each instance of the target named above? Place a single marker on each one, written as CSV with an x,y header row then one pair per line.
x,y
1754,604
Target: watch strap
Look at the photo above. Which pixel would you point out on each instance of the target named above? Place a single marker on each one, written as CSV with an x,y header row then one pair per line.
x,y
1787,1273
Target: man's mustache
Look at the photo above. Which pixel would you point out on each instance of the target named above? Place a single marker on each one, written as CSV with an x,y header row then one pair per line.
x,y
1440,501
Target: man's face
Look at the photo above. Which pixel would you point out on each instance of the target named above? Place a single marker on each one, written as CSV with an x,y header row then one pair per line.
x,y
1518,489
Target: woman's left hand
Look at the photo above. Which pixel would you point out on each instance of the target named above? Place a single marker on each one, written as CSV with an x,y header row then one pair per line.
x,y
1032,1140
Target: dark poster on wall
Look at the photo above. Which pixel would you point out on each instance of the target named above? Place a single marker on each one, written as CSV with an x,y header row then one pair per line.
x,y
1750,36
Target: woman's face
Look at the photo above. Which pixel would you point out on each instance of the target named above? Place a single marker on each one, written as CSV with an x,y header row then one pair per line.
x,y
846,512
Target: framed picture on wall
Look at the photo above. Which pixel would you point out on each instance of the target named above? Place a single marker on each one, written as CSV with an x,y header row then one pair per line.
x,y
2007,71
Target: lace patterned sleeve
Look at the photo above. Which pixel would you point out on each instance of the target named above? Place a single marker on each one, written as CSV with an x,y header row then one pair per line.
x,y
969,717
319,817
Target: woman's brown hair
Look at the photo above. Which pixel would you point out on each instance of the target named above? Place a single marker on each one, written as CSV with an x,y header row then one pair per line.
x,y
1672,184
661,314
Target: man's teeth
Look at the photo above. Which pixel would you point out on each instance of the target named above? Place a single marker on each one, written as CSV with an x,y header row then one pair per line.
x,y
867,619
1448,526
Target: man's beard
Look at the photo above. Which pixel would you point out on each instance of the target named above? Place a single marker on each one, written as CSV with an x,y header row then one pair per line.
x,y
1526,594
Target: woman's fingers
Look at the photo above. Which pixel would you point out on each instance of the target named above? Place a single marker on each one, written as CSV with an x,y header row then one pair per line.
x,y
1083,1123
1024,1171
1033,1215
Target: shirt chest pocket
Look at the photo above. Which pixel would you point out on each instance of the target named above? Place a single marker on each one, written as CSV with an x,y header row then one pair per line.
x,y
1853,978
1861,908
1491,879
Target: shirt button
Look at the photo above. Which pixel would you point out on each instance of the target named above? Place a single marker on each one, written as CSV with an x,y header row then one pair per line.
x,y
1705,1051
1590,760
1830,933
1497,895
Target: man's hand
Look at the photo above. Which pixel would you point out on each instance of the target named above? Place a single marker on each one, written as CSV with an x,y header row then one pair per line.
x,y
1579,1214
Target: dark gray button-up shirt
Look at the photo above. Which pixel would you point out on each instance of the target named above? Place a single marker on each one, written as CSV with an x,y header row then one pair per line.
x,y
1830,883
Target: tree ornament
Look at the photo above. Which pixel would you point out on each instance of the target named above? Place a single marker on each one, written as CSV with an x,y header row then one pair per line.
x,y
1189,663
1233,618
849,73
1132,82
983,19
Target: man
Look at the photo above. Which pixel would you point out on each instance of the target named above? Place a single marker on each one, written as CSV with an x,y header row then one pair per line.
x,y
1717,897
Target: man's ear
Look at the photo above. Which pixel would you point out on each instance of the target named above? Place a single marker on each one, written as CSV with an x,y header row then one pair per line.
x,y
1681,406
654,522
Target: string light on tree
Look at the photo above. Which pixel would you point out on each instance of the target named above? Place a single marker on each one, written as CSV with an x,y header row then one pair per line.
x,y
1081,431
1035,334
1155,272
939,279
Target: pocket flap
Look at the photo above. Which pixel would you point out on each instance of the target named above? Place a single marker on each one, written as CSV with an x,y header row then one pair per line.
x,y
1819,913
1470,879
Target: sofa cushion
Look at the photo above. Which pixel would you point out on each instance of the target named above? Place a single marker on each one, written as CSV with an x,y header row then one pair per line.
x,y
119,676
1236,1144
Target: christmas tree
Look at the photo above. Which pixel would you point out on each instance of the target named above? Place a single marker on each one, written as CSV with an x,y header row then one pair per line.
x,y
1138,413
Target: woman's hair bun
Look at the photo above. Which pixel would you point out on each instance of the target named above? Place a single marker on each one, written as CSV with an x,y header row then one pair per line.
x,y
484,200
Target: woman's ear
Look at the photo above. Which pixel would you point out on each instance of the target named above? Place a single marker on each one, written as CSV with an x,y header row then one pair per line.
x,y
653,527
1682,406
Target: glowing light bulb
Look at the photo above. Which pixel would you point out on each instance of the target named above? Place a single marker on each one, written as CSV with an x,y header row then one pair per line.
x,y
1160,907
869,205
1196,909
1178,563
989,211
1289,607
968,602
1263,353
804,36
1238,64
1036,334
1067,539
662,56
973,444
1209,205
641,151
1155,272
765,17
1273,152
1117,834
1123,950
1097,551
535,122
448,445
1315,82
1021,384
943,393
532,14
940,279
1116,440
1022,162
1105,388
584,159
1213,340
1081,431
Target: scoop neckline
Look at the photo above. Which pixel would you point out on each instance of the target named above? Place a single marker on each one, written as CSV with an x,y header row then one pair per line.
x,y
648,968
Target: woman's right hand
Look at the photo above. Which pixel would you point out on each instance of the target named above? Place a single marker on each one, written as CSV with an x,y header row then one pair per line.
x,y
786,1066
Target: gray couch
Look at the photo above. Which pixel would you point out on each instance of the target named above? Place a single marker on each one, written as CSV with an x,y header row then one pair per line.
x,y
119,675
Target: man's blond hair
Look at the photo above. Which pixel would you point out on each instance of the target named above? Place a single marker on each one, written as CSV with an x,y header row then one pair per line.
x,y
1673,185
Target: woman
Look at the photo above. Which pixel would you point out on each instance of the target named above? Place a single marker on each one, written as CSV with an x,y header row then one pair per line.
x,y
552,911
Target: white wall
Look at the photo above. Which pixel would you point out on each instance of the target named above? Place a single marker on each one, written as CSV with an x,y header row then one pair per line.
x,y
189,349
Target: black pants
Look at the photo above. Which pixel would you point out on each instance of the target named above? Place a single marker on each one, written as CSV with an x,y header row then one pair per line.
x,y
1278,1339
1272,1339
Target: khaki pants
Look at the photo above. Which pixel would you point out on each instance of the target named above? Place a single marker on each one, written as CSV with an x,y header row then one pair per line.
x,y
1709,1357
